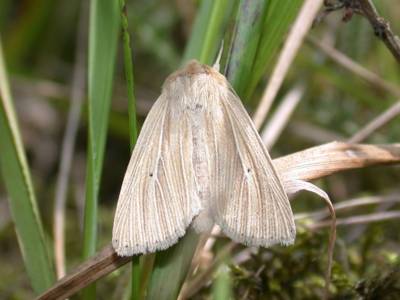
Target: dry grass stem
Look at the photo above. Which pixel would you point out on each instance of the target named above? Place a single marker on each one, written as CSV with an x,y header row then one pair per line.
x,y
355,68
313,133
68,144
280,118
361,219
376,123
292,45
349,204
103,263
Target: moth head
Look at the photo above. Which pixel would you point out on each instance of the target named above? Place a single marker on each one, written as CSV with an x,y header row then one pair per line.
x,y
194,69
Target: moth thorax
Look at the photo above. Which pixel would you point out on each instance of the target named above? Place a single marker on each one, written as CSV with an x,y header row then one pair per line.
x,y
200,156
203,222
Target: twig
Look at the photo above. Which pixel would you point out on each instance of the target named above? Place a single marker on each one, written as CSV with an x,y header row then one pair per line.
x,y
349,64
321,161
282,115
381,27
68,145
362,219
292,45
376,123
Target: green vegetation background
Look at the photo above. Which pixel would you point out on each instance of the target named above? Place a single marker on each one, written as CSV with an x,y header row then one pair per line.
x,y
39,41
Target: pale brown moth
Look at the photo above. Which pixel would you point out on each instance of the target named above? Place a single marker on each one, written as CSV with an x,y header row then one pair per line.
x,y
199,160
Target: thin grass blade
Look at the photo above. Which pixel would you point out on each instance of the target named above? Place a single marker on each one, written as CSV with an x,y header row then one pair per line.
x,y
246,38
129,78
207,31
171,267
279,18
18,182
103,37
222,287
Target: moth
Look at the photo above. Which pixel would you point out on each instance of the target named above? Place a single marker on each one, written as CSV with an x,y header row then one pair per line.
x,y
199,161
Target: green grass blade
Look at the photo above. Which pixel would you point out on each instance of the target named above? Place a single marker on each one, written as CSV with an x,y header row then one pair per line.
x,y
135,281
17,179
196,41
245,42
171,267
128,64
27,29
207,31
213,33
279,18
103,37
222,287
129,77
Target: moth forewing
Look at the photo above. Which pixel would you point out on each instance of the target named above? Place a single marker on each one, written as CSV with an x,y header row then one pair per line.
x,y
158,198
198,152
248,199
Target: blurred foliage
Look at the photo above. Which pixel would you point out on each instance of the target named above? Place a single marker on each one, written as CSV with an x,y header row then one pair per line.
x,y
39,41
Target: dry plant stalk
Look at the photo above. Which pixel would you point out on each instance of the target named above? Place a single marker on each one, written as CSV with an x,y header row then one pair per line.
x,y
292,45
281,116
68,145
378,122
346,62
360,219
313,133
349,204
307,165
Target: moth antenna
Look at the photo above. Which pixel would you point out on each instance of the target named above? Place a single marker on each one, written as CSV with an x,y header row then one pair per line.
x,y
216,65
